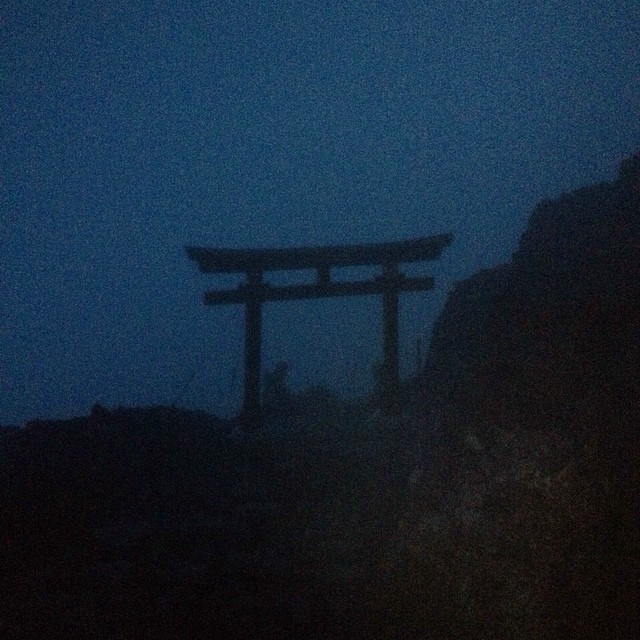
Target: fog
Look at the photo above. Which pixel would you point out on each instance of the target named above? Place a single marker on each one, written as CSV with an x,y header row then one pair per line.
x,y
128,132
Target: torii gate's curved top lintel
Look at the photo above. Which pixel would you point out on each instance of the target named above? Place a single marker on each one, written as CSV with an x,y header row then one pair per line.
x,y
246,260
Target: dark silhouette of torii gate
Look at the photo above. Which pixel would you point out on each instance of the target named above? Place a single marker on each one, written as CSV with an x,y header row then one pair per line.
x,y
254,291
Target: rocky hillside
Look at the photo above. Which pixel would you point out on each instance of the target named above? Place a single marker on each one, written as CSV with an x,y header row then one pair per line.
x,y
547,334
522,516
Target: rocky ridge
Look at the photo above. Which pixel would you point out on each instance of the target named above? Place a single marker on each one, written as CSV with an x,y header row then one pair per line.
x,y
522,515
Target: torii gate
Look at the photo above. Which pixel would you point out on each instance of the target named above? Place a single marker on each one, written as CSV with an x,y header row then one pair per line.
x,y
254,291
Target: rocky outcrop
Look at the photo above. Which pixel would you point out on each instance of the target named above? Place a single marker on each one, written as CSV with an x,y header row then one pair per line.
x,y
522,516
553,336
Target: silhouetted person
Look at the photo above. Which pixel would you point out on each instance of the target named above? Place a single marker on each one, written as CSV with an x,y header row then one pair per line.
x,y
276,394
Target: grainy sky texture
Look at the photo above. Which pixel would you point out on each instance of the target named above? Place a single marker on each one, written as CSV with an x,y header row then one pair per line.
x,y
132,128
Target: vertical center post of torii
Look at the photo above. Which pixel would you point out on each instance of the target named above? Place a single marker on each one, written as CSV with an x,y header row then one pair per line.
x,y
254,291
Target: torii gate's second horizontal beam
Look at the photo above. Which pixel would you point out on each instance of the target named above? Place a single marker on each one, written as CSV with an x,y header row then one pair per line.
x,y
265,292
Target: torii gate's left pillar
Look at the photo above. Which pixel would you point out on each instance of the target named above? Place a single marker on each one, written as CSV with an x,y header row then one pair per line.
x,y
390,369
252,350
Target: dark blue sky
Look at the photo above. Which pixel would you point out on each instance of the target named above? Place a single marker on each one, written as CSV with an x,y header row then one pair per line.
x,y
129,130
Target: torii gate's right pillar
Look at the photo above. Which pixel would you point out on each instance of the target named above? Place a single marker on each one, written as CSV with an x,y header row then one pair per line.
x,y
390,280
252,350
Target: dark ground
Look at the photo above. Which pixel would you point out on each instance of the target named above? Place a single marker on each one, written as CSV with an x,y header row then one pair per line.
x,y
162,523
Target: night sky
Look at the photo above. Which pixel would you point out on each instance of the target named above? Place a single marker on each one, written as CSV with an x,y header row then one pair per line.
x,y
130,130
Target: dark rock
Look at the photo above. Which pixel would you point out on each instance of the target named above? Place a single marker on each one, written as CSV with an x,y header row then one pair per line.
x,y
556,331
524,514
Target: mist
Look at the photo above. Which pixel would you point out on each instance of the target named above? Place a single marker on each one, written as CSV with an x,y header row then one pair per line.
x,y
130,132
